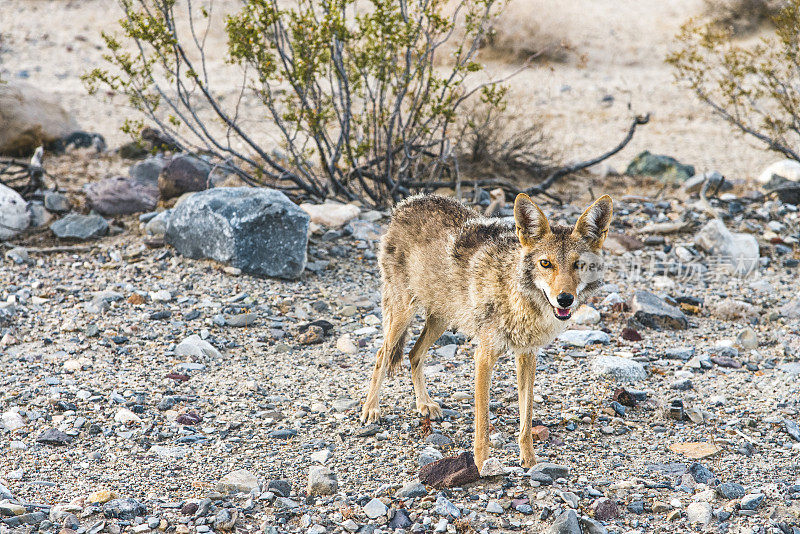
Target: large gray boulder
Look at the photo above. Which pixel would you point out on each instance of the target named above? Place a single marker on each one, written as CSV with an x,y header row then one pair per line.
x,y
257,230
30,118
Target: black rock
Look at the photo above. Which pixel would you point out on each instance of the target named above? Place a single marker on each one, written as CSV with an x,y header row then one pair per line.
x,y
283,433
54,436
701,474
730,490
401,519
80,227
160,315
653,312
166,403
281,488
637,507
259,231
125,509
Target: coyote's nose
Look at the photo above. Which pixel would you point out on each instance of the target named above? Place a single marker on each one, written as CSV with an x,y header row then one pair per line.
x,y
565,300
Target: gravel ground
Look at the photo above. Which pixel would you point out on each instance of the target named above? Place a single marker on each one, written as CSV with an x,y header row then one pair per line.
x,y
91,351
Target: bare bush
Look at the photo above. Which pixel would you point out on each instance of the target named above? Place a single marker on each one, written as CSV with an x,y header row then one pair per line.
x,y
494,144
753,87
742,16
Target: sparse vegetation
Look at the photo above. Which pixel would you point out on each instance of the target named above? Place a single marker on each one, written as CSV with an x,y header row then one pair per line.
x,y
494,144
754,88
352,89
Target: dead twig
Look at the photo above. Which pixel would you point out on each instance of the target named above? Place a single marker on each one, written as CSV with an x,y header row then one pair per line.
x,y
569,169
54,250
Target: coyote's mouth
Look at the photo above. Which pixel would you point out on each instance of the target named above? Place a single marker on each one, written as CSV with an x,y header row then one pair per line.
x,y
562,313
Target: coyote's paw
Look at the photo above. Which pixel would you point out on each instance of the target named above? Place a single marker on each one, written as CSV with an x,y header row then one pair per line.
x,y
527,458
430,409
370,414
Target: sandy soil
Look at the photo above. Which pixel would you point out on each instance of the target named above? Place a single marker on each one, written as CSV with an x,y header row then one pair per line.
x,y
618,50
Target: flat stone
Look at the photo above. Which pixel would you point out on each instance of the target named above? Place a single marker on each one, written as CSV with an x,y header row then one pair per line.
x,y
582,338
450,472
554,471
428,455
410,490
730,490
653,312
54,437
80,227
125,509
239,481
618,368
375,509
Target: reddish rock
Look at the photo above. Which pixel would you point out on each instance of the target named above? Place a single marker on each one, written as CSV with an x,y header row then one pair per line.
x,y
450,472
189,418
629,334
121,196
605,509
623,396
183,174
541,433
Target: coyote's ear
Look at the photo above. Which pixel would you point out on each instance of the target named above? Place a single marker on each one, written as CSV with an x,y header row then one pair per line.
x,y
529,219
593,224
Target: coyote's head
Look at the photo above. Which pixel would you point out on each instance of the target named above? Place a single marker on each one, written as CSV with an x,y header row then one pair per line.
x,y
561,262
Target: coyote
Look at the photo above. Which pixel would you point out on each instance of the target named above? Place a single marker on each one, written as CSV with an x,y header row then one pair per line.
x,y
508,287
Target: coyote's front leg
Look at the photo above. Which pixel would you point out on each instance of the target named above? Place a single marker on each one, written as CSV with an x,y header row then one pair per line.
x,y
526,372
485,358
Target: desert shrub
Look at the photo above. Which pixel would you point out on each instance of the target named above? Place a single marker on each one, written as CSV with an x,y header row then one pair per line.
x,y
352,88
753,87
496,143
742,16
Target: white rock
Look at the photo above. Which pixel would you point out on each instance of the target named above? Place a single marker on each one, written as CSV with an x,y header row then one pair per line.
x,y
126,416
160,296
14,216
321,456
346,344
196,347
375,509
785,168
586,315
12,420
699,513
492,468
581,338
738,251
331,214
618,368
322,481
239,481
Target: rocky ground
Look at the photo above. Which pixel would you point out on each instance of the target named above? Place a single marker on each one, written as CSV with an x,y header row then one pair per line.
x,y
142,390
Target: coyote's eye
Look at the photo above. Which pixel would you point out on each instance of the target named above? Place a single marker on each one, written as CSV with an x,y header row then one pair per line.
x,y
579,265
545,263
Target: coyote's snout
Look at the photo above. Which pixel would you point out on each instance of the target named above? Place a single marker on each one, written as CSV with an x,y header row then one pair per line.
x,y
508,287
